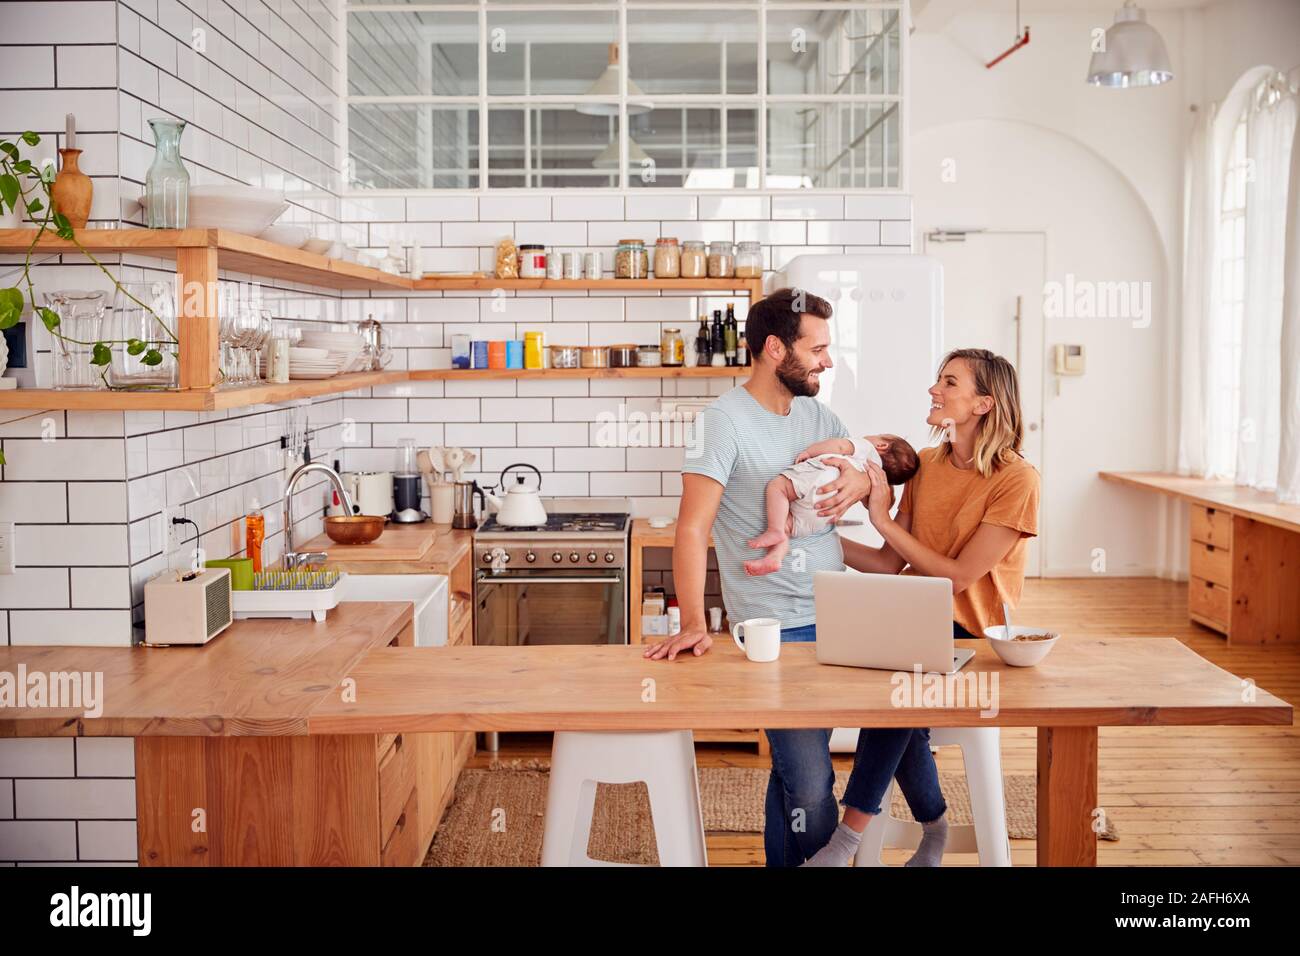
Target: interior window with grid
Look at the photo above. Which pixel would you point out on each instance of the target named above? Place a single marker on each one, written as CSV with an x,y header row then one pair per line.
x,y
624,94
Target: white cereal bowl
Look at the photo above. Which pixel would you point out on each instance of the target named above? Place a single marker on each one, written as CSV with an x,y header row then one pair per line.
x,y
1020,653
286,234
245,209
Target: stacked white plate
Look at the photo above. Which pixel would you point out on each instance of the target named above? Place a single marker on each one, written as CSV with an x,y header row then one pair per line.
x,y
312,363
344,349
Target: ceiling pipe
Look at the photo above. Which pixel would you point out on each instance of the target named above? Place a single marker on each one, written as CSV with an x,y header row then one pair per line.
x,y
1022,40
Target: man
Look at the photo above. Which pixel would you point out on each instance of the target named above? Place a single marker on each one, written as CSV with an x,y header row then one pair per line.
x,y
743,440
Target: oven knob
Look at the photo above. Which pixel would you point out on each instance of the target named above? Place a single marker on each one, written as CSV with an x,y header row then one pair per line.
x,y
591,557
557,557
505,558
487,559
573,556
609,557
530,557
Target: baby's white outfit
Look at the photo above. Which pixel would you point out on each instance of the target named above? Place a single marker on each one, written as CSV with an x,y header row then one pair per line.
x,y
809,475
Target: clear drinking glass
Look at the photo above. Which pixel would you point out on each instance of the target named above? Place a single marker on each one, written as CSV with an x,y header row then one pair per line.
x,y
131,319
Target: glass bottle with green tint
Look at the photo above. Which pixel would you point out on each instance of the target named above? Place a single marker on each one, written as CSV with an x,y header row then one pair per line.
x,y
167,184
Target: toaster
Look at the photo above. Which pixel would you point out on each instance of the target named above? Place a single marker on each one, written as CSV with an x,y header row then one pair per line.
x,y
192,608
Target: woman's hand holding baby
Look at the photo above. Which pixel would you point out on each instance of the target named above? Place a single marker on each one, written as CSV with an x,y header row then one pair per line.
x,y
880,498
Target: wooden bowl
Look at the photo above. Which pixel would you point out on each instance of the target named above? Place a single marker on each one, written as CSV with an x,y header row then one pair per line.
x,y
354,529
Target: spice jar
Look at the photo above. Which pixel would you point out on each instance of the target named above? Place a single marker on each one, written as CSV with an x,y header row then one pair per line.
x,y
566,356
749,260
648,356
668,259
631,261
722,260
595,356
672,348
622,356
694,263
532,262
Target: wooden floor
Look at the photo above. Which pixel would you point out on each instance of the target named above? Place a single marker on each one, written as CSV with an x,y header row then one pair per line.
x,y
1180,796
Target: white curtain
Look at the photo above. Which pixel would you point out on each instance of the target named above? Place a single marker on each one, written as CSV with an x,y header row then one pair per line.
x,y
1202,179
1288,472
1270,129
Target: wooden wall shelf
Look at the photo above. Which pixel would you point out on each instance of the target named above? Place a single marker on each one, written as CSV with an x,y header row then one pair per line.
x,y
200,256
465,375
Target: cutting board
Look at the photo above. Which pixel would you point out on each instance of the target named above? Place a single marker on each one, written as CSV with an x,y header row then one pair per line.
x,y
397,543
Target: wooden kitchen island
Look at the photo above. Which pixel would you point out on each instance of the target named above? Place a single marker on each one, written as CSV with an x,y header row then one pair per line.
x,y
293,737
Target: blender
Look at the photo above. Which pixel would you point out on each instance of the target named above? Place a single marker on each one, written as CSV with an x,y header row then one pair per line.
x,y
407,484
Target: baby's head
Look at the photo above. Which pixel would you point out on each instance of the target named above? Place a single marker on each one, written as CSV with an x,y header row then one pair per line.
x,y
897,458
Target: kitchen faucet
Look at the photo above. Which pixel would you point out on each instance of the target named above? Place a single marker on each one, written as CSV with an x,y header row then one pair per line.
x,y
292,559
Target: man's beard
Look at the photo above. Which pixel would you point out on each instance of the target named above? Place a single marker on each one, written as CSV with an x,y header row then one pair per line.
x,y
795,377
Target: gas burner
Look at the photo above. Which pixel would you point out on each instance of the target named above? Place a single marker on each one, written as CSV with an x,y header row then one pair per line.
x,y
580,522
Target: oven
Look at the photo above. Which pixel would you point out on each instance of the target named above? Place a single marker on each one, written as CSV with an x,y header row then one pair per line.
x,y
544,606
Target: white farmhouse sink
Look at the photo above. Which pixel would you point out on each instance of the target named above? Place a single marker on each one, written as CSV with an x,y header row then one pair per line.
x,y
428,592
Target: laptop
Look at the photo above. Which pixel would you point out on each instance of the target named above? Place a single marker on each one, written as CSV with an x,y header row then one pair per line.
x,y
886,621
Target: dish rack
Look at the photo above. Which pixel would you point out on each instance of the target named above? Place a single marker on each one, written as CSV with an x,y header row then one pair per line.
x,y
306,593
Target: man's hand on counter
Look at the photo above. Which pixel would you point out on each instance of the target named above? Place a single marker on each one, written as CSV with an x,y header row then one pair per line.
x,y
697,639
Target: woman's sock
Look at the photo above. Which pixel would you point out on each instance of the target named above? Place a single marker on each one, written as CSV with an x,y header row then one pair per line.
x,y
843,845
934,836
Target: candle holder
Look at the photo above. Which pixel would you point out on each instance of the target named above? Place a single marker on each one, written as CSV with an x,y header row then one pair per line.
x,y
72,191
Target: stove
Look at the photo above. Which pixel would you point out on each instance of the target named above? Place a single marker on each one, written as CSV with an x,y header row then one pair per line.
x,y
580,533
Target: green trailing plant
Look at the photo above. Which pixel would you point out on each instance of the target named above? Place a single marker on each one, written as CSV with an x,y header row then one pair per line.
x,y
25,187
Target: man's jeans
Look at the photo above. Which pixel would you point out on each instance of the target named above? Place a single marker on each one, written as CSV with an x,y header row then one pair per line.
x,y
800,811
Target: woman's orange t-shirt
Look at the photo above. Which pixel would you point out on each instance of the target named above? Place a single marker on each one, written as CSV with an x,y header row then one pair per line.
x,y
948,504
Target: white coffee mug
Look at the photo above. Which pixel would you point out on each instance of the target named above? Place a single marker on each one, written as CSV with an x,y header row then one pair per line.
x,y
762,638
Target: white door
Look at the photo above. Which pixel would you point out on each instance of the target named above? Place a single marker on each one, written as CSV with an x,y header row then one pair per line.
x,y
993,299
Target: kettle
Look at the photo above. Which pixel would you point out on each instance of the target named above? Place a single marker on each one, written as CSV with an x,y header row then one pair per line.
x,y
518,507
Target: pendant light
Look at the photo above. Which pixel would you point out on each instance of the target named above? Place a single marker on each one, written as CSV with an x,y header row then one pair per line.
x,y
1135,54
607,158
607,85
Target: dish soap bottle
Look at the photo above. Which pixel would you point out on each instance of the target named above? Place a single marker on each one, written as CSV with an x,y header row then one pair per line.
x,y
254,535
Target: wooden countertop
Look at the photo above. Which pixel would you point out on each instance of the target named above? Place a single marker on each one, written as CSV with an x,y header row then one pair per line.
x,y
450,547
644,536
1224,495
1084,682
259,677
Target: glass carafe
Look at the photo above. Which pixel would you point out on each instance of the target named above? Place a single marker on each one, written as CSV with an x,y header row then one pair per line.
x,y
167,184
81,325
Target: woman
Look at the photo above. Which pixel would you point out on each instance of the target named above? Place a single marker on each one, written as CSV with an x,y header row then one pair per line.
x,y
966,515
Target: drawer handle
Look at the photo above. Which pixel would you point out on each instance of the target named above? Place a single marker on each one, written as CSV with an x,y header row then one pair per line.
x,y
1209,547
1209,584
401,822
397,742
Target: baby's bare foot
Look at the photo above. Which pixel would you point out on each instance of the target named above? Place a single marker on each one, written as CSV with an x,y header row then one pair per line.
x,y
770,562
770,537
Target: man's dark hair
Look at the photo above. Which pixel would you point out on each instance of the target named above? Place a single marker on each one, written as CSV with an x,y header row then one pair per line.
x,y
779,314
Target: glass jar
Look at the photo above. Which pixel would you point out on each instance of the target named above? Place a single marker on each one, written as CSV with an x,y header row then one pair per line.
x,y
668,259
138,310
532,262
167,184
671,348
722,260
631,261
648,356
749,260
81,325
694,263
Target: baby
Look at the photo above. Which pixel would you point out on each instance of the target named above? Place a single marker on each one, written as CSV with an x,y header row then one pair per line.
x,y
792,495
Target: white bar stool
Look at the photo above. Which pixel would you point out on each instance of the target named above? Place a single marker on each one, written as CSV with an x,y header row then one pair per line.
x,y
664,760
981,753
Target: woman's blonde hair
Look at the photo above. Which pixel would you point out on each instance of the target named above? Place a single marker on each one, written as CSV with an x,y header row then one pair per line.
x,y
1001,430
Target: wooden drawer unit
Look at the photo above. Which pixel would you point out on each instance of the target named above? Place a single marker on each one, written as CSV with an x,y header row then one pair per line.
x,y
396,778
1211,563
1211,526
402,844
1209,603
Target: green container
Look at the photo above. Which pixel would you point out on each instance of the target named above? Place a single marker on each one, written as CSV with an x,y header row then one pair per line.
x,y
241,572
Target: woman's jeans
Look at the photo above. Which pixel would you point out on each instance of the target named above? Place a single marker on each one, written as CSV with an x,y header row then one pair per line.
x,y
800,810
903,754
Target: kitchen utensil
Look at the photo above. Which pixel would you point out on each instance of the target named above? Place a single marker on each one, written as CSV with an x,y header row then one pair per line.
x,y
166,199
406,499
407,460
1020,653
397,543
354,529
244,209
300,593
463,502
451,459
442,500
761,639
519,506
376,343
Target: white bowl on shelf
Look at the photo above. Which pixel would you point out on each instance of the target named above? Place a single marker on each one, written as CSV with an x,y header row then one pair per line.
x,y
323,247
1020,653
286,234
245,209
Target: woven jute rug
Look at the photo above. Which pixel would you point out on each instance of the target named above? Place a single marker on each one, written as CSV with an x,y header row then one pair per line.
x,y
496,817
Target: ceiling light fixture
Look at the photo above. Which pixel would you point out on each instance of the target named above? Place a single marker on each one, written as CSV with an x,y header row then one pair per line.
x,y
1134,53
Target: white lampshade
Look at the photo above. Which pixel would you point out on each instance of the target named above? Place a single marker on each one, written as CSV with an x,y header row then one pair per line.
x,y
607,158
1135,54
607,85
